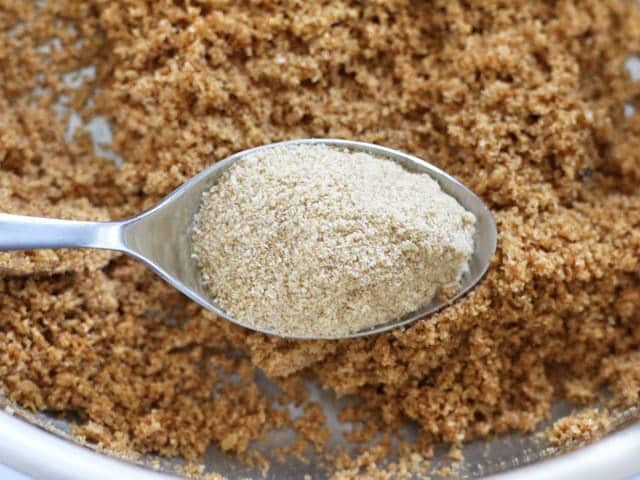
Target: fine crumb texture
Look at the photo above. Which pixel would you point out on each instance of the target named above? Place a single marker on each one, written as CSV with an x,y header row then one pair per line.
x,y
314,241
523,101
579,428
372,464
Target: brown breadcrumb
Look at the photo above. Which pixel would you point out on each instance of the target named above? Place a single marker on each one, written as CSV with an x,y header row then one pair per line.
x,y
366,466
522,100
311,425
580,428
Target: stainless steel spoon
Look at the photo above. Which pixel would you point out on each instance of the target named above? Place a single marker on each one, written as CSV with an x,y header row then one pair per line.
x,y
160,237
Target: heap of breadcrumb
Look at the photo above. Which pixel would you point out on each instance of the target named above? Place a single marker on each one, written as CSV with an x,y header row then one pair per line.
x,y
522,100
319,242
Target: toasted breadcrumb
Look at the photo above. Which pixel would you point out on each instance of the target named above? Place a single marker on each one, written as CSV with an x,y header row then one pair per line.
x,y
579,428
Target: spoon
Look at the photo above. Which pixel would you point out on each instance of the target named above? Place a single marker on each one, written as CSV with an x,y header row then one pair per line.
x,y
160,237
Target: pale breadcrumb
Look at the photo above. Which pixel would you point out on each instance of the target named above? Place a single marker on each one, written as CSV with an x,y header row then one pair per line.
x,y
316,241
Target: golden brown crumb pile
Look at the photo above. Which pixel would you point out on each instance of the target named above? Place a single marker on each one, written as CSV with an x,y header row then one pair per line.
x,y
315,241
522,100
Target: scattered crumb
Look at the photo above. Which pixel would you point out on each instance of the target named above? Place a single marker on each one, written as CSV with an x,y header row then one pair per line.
x,y
311,426
367,465
578,429
455,453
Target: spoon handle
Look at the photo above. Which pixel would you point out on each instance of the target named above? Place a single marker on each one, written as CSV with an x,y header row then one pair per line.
x,y
19,232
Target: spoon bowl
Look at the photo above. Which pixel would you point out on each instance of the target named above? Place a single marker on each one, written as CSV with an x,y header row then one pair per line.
x,y
161,237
